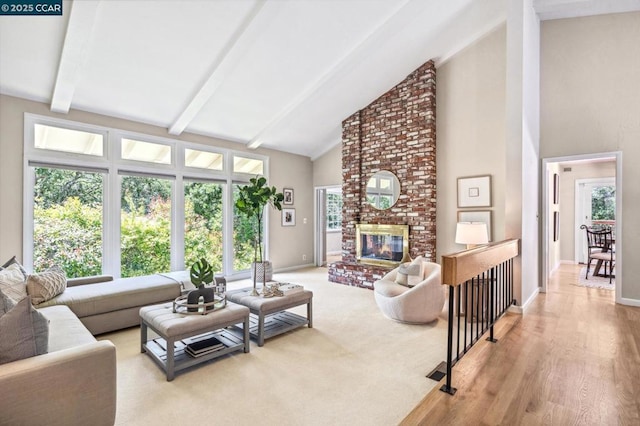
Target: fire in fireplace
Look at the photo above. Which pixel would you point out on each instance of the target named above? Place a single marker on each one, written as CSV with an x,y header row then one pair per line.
x,y
381,244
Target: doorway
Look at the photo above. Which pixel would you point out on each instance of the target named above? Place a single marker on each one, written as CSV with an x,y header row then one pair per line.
x,y
328,234
570,204
595,206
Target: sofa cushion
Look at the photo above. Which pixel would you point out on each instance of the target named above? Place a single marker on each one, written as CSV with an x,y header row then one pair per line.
x,y
25,331
46,285
65,331
123,293
12,282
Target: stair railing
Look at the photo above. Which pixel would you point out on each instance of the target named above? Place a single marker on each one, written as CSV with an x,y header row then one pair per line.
x,y
480,284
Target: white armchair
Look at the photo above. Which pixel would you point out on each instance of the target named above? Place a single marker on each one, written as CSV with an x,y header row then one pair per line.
x,y
419,304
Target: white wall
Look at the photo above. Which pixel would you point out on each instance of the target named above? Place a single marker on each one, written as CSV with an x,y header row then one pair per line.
x,y
522,145
334,242
287,244
327,169
590,103
470,121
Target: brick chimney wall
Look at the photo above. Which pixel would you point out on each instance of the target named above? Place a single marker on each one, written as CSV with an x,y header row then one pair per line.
x,y
396,132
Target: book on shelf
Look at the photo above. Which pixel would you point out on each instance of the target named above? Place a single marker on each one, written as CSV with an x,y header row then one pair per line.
x,y
289,288
203,347
207,352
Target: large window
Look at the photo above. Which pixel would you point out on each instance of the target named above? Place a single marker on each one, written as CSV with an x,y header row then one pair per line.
x,y
245,234
603,203
203,223
145,225
67,220
108,201
334,211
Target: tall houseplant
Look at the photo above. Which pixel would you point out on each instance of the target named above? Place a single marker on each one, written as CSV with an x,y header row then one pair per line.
x,y
252,199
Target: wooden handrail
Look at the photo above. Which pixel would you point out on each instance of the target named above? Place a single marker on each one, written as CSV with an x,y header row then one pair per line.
x,y
462,266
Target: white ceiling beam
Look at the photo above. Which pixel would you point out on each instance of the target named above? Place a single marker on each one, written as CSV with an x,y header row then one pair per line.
x,y
75,51
246,33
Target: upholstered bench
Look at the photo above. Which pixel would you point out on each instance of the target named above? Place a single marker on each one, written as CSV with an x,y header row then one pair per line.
x,y
175,329
269,316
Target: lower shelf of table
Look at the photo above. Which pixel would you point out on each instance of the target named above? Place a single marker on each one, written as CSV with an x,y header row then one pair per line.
x,y
157,349
274,324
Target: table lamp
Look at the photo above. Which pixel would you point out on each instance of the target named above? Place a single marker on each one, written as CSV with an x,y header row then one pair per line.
x,y
472,234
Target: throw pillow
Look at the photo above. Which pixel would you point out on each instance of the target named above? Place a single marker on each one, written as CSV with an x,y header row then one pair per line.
x,y
14,261
12,282
18,340
40,324
46,285
407,274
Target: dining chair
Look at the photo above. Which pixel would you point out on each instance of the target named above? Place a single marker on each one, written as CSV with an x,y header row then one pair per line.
x,y
600,246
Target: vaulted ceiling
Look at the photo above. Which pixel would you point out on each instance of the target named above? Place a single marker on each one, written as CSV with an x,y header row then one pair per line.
x,y
282,74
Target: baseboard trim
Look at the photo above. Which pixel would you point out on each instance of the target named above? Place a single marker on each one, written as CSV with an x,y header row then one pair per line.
x,y
629,302
294,268
520,310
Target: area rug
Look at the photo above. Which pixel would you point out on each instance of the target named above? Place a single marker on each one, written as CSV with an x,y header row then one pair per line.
x,y
595,282
353,367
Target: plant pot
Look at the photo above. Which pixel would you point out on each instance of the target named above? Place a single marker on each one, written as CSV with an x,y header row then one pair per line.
x,y
207,294
260,268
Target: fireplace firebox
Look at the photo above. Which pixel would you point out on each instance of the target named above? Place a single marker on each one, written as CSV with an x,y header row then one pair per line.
x,y
378,244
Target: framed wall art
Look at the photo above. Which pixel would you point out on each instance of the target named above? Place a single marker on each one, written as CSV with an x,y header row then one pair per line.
x,y
474,191
556,226
288,196
556,188
288,217
476,216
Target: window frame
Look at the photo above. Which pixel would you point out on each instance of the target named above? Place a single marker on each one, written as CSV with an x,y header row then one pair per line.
x,y
114,166
339,212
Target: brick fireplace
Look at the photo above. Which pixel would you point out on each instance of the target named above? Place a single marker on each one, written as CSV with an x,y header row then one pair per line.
x,y
396,132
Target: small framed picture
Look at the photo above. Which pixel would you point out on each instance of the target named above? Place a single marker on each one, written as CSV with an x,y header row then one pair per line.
x,y
288,196
288,217
474,191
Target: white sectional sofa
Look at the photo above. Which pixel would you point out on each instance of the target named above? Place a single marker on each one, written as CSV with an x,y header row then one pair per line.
x,y
104,304
75,382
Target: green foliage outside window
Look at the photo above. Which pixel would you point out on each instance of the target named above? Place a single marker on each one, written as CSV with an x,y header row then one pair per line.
x,y
203,224
334,211
68,217
68,235
603,203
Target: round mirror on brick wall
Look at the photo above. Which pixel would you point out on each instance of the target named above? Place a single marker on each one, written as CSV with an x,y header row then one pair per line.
x,y
383,190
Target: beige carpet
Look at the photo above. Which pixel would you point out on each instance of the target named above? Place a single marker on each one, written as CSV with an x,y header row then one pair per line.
x,y
355,367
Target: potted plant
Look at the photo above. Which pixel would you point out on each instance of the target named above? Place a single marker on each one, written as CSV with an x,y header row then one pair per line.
x,y
252,199
201,274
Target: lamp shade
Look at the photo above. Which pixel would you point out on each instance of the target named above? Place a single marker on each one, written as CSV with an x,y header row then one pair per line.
x,y
472,233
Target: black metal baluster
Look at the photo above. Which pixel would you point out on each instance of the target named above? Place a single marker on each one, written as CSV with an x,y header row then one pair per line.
x,y
447,387
458,329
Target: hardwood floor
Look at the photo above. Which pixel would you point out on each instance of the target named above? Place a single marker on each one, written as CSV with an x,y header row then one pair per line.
x,y
572,359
